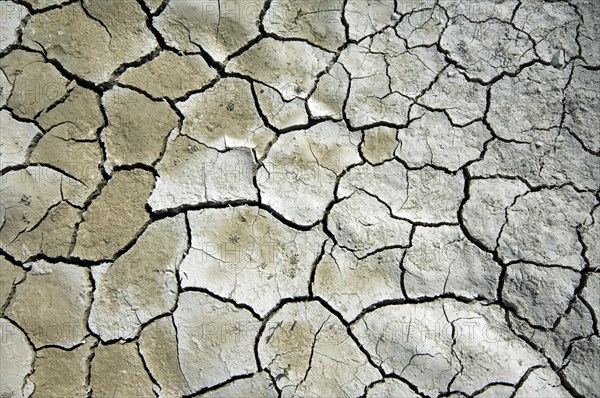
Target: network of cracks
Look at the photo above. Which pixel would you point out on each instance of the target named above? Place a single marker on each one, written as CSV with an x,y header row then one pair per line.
x,y
279,198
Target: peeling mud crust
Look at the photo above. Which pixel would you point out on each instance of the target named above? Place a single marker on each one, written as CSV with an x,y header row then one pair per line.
x,y
320,198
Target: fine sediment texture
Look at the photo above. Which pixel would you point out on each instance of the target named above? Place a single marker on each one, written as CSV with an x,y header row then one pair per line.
x,y
279,198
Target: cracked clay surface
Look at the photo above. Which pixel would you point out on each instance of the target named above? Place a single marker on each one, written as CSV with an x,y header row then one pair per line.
x,y
300,198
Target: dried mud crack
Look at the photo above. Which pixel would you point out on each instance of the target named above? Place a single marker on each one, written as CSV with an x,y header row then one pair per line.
x,y
279,198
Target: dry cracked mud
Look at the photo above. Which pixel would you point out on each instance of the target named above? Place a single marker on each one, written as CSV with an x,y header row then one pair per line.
x,y
282,198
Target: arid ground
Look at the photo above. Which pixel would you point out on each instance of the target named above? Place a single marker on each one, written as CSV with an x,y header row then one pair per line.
x,y
300,198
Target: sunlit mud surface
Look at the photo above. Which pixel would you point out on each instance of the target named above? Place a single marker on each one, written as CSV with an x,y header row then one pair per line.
x,y
299,198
